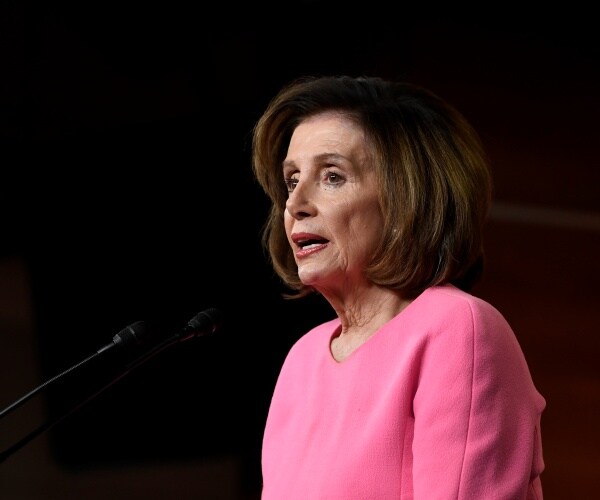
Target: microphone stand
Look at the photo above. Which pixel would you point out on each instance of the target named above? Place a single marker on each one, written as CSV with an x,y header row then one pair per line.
x,y
201,324
32,393
126,338
49,424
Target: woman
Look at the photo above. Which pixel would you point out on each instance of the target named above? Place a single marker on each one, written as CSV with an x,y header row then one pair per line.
x,y
417,389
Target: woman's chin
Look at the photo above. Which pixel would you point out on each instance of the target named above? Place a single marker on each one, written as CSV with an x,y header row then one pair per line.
x,y
317,279
310,277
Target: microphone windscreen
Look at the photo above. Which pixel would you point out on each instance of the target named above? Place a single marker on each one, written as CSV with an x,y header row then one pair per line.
x,y
131,336
205,322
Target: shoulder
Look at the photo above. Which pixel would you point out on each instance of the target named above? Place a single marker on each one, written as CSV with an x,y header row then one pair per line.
x,y
467,329
453,323
448,305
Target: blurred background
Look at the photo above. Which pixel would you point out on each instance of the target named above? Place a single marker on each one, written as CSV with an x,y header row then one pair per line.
x,y
126,194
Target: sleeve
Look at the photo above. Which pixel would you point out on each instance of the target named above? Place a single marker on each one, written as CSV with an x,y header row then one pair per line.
x,y
477,413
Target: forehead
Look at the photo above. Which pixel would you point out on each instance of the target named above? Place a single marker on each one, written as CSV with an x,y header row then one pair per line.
x,y
328,132
331,122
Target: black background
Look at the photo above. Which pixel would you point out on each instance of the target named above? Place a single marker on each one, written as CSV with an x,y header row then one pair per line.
x,y
127,188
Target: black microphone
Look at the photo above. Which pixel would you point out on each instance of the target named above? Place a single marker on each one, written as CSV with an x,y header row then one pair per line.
x,y
127,339
204,323
132,336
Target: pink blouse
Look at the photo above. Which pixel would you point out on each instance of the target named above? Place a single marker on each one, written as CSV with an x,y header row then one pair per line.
x,y
437,404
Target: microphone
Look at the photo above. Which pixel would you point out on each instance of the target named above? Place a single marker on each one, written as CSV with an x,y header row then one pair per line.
x,y
204,323
132,336
128,338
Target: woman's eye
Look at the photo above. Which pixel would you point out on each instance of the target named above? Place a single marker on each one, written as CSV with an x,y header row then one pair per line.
x,y
290,184
333,178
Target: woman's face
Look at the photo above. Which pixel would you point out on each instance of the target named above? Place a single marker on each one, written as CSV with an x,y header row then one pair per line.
x,y
332,219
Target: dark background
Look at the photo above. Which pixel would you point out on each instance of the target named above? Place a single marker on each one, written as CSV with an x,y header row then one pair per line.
x,y
127,194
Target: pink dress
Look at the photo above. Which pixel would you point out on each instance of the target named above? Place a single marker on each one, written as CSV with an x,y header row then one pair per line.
x,y
437,404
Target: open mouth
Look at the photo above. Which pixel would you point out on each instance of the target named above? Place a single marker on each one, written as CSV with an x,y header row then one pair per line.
x,y
306,244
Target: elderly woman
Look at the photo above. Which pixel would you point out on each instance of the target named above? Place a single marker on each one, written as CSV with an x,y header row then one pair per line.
x,y
417,389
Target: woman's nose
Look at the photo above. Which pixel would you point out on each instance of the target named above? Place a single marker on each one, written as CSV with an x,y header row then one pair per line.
x,y
299,203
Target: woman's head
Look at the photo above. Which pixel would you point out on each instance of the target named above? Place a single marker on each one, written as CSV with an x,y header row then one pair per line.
x,y
431,173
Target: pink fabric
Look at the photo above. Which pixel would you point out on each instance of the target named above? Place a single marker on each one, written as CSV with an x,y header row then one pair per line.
x,y
438,404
